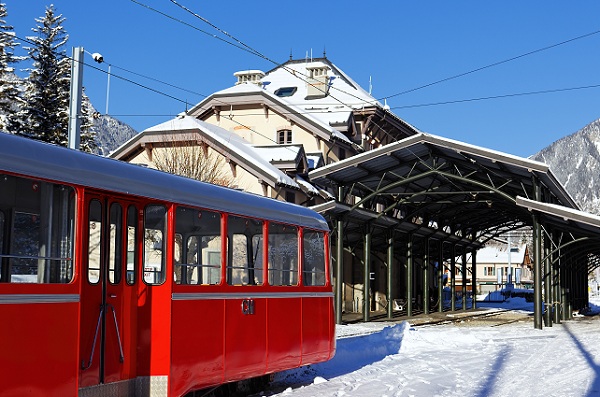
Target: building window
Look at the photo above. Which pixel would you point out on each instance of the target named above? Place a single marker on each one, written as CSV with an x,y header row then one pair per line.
x,y
489,271
284,136
285,91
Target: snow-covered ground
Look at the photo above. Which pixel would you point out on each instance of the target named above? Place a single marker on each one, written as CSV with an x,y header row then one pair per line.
x,y
399,359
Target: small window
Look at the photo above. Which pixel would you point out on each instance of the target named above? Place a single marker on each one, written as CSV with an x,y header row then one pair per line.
x,y
314,258
283,254
285,91
94,240
245,260
132,244
154,245
116,244
284,137
197,247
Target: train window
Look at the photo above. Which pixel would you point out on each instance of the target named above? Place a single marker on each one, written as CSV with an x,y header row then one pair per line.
x,y
313,272
40,218
197,246
245,263
2,276
132,238
283,254
154,244
94,241
116,244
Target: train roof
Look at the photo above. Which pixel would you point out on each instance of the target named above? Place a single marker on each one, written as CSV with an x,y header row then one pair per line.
x,y
45,161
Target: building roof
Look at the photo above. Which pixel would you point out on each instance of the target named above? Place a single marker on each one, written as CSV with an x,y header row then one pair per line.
x,y
496,254
225,142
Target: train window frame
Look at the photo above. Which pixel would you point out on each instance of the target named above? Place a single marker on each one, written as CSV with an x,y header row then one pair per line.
x,y
155,275
51,208
115,251
245,262
278,251
95,251
200,241
316,276
2,237
132,245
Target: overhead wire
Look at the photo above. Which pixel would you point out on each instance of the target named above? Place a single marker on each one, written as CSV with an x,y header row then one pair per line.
x,y
492,65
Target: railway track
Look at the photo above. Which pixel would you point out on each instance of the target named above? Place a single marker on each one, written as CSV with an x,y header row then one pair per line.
x,y
481,318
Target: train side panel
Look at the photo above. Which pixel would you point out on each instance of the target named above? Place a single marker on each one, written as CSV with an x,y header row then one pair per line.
x,y
197,358
284,333
39,345
318,335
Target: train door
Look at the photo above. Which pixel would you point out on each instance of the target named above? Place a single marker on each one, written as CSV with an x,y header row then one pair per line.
x,y
108,295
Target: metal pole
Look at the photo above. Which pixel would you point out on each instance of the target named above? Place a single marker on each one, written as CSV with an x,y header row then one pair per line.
x,y
107,90
409,275
441,278
367,278
453,279
339,263
464,278
474,278
390,275
426,277
339,276
547,283
76,90
537,273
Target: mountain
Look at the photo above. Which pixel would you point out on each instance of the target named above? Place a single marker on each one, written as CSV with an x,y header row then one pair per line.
x,y
575,161
110,132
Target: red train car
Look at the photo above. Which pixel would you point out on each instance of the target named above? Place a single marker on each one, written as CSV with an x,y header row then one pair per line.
x,y
116,279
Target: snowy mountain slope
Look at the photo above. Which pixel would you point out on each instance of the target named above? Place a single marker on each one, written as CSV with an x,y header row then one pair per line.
x,y
110,133
575,160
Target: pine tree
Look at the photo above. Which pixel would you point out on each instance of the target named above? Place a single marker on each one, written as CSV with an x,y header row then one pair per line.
x,y
47,87
10,99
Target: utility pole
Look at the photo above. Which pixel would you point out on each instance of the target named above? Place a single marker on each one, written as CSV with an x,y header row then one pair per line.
x,y
74,129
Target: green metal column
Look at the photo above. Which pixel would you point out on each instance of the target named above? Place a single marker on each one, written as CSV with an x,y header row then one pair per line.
x,y
339,263
474,278
547,283
390,274
440,277
453,278
409,275
339,275
426,277
367,278
464,278
537,273
556,295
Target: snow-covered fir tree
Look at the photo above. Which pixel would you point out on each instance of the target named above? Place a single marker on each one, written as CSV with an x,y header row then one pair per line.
x,y
10,99
47,88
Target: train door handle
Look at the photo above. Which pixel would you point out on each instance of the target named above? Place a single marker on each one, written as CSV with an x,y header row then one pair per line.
x,y
248,306
112,296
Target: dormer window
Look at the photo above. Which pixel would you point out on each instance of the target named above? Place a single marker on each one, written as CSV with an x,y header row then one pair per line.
x,y
284,136
285,91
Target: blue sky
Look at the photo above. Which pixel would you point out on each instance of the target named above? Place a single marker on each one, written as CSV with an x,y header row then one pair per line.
x,y
398,45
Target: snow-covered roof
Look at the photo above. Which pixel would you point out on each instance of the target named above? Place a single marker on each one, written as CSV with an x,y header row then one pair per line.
x,y
244,93
279,152
499,254
227,143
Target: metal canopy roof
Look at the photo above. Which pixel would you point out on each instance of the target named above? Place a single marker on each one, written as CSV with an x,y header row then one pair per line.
x,y
429,184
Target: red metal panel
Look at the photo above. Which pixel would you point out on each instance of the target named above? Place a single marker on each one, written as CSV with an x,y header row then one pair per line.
x,y
39,349
245,339
284,333
317,338
197,344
